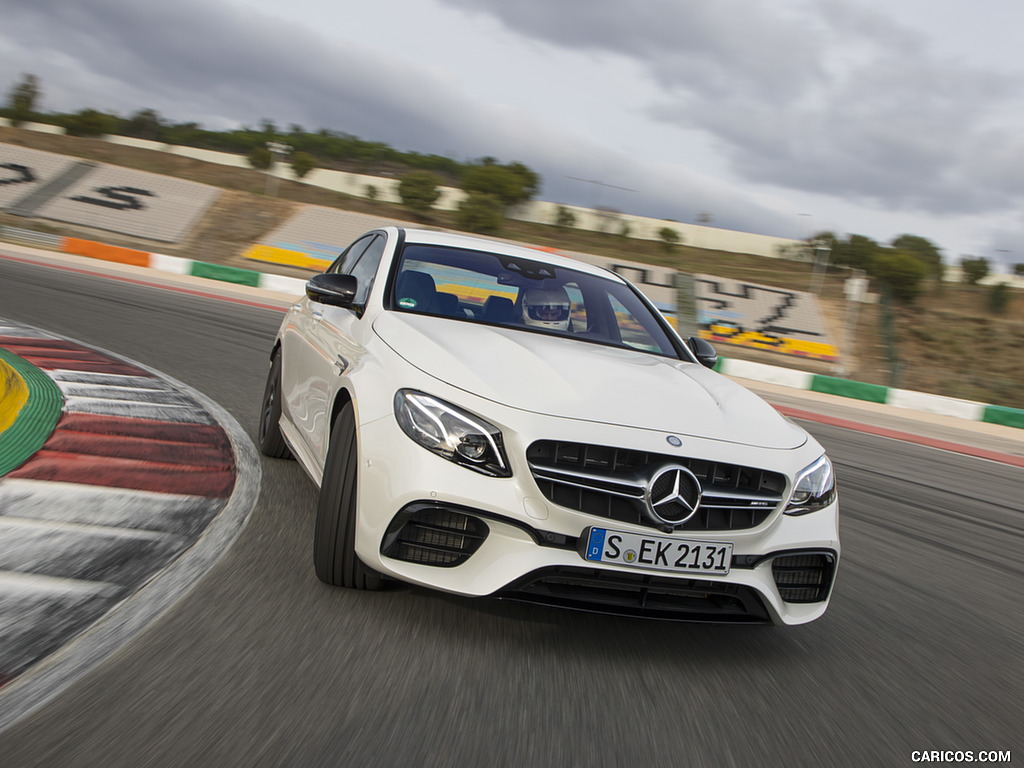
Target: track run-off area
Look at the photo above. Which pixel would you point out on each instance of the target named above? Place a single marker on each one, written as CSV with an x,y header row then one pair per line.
x,y
258,663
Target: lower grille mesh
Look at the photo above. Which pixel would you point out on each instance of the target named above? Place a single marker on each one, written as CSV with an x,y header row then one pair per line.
x,y
430,534
803,578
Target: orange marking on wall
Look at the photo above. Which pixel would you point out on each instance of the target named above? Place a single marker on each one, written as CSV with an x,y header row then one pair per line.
x,y
94,250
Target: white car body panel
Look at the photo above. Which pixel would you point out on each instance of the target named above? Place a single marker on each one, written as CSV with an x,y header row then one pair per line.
x,y
532,387
562,377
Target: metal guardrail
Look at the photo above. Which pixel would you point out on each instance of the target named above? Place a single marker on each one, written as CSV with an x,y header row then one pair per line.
x,y
30,236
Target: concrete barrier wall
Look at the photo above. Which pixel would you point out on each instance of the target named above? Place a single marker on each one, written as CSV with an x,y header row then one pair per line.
x,y
537,211
55,130
955,274
541,212
47,185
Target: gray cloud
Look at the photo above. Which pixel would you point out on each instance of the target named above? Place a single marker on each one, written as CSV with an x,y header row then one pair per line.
x,y
219,65
818,97
204,61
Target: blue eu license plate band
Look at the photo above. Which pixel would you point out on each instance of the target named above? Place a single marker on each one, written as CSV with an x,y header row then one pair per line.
x,y
596,544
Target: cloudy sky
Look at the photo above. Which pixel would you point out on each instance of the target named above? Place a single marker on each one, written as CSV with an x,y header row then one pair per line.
x,y
781,117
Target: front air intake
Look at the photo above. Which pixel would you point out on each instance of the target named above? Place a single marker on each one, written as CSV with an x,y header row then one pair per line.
x,y
804,577
433,534
642,595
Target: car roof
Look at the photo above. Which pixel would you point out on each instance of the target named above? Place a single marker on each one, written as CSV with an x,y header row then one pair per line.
x,y
453,240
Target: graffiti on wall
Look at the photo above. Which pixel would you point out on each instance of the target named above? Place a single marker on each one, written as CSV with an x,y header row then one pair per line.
x,y
762,317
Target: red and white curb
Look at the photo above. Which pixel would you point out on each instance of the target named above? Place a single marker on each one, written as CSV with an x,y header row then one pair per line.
x,y
141,486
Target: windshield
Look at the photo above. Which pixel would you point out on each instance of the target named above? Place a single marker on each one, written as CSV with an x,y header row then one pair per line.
x,y
480,287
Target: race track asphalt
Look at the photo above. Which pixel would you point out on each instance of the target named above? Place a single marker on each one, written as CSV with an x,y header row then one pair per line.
x,y
261,664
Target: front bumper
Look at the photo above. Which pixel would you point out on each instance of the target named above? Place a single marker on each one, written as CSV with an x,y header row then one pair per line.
x,y
528,548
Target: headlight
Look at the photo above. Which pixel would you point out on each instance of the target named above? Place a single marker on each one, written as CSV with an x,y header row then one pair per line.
x,y
815,488
452,433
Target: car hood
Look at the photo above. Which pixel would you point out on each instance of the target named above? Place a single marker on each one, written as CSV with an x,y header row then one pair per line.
x,y
579,380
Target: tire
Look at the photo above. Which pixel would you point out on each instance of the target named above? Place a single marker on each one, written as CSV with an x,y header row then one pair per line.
x,y
271,440
334,552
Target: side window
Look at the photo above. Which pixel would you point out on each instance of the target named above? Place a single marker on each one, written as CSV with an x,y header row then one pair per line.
x,y
365,269
632,333
348,258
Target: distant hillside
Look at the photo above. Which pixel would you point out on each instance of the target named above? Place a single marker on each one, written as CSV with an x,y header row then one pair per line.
x,y
948,343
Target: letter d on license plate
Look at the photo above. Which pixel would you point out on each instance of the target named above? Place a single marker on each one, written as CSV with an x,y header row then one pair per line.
x,y
658,552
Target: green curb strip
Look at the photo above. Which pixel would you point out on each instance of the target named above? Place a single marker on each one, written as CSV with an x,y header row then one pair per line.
x,y
873,393
36,419
1008,417
225,274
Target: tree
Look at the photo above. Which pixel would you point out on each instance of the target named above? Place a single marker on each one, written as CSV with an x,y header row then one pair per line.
x,y
419,190
480,213
901,271
260,158
923,249
669,238
529,181
856,252
999,298
975,269
302,163
23,99
144,124
89,123
1018,269
564,217
511,184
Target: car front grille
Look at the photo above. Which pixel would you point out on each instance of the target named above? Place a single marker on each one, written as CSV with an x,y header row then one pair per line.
x,y
640,595
610,483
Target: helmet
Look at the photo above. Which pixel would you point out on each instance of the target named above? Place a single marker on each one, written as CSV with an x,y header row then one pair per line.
x,y
546,309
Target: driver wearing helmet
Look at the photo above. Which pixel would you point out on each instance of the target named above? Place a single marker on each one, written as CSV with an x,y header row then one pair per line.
x,y
546,309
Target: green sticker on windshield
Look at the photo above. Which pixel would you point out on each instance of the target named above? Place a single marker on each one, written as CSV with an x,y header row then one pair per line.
x,y
407,303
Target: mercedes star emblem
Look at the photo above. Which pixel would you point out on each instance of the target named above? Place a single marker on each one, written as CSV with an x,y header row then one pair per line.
x,y
673,495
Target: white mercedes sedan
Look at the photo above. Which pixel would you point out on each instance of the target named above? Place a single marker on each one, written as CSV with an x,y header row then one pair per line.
x,y
493,420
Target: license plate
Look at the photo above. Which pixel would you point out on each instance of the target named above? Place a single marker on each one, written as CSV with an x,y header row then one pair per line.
x,y
658,552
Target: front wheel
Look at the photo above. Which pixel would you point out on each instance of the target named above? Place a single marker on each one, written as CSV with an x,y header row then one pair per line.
x,y
270,438
334,551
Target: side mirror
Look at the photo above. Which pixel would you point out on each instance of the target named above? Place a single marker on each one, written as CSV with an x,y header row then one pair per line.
x,y
333,289
703,351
